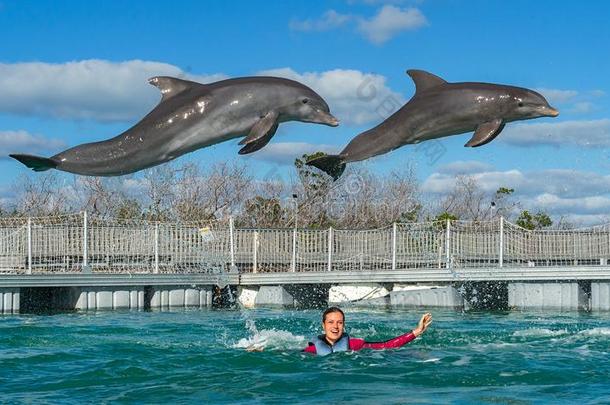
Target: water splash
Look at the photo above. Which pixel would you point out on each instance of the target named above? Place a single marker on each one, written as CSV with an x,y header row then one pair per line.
x,y
539,332
269,339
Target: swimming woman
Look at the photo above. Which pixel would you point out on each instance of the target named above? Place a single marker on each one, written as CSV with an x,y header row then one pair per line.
x,y
335,340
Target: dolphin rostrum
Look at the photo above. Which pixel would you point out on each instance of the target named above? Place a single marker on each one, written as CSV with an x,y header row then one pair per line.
x,y
440,109
191,116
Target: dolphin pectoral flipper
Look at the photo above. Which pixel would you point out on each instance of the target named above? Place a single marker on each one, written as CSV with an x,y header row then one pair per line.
x,y
333,165
259,143
36,163
170,86
262,128
485,133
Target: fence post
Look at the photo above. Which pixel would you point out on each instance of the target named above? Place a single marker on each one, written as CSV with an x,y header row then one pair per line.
x,y
232,242
29,246
394,228
293,266
85,240
255,252
447,242
156,269
330,248
501,258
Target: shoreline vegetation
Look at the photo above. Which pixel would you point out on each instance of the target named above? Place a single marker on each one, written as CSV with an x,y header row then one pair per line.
x,y
191,192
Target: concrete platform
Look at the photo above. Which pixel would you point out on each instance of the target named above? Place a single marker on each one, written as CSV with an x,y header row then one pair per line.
x,y
9,300
600,296
102,298
180,296
273,296
426,296
360,295
563,296
246,295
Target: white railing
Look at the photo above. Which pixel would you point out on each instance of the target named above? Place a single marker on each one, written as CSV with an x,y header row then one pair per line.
x,y
71,243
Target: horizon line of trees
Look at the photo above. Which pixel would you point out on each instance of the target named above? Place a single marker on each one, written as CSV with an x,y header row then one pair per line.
x,y
307,198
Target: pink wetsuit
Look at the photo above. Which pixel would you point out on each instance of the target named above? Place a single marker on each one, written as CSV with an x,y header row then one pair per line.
x,y
359,344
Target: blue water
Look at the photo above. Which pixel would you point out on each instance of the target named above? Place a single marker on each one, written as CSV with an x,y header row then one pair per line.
x,y
199,356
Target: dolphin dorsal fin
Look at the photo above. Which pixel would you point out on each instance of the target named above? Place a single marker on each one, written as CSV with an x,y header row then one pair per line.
x,y
170,86
424,80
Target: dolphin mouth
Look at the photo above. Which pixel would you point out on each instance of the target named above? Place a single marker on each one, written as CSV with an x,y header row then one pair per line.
x,y
550,112
326,118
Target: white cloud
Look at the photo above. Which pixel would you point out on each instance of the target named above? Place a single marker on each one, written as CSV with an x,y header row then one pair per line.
x,y
134,185
24,142
587,220
581,197
107,91
390,21
284,153
353,96
90,89
465,167
561,182
597,205
589,134
387,23
582,107
329,20
556,95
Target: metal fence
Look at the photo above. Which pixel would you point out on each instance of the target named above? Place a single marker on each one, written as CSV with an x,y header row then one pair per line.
x,y
78,243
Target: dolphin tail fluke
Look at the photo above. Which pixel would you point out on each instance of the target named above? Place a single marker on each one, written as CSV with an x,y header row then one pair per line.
x,y
36,163
333,165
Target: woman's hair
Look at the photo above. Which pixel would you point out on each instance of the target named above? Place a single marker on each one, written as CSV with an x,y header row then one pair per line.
x,y
330,311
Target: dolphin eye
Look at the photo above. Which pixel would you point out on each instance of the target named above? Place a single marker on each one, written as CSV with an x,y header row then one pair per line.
x,y
520,104
305,101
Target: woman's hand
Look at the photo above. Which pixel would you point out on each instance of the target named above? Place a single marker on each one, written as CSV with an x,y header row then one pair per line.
x,y
423,324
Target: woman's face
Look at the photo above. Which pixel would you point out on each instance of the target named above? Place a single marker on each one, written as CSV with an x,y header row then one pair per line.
x,y
333,326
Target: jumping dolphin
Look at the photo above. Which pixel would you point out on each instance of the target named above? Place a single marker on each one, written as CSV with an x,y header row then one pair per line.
x,y
191,116
440,109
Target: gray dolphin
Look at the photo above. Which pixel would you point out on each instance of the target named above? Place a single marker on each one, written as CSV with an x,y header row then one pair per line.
x,y
191,116
440,109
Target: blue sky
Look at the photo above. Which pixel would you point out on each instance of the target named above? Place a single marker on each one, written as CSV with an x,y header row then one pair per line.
x,y
74,72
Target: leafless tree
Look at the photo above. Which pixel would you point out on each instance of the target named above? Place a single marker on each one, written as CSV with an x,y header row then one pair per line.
x,y
469,202
106,197
41,194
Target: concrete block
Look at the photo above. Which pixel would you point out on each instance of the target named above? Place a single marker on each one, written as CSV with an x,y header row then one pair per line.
x,y
160,297
359,295
94,298
133,299
91,300
16,300
426,296
155,299
600,296
9,300
176,297
81,302
556,296
273,296
209,298
180,296
121,299
192,297
246,295
104,299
